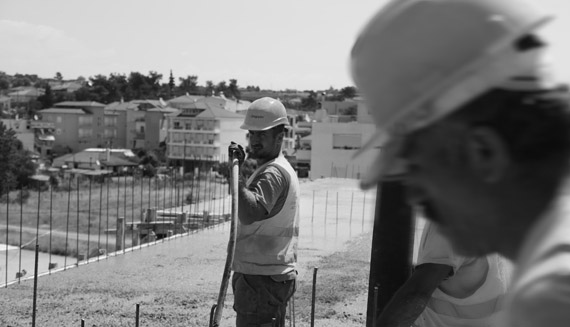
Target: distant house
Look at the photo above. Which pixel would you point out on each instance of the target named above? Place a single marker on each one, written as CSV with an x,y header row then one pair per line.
x,y
114,160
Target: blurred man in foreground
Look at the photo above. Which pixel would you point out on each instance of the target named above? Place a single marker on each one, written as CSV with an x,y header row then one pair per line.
x,y
481,132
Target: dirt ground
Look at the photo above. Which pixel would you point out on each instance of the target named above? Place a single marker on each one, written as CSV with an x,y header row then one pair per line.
x,y
176,282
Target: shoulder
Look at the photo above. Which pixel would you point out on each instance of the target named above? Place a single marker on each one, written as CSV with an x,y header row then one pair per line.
x,y
542,302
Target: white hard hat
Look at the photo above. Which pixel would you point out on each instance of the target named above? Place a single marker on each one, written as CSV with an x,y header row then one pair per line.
x,y
417,60
265,113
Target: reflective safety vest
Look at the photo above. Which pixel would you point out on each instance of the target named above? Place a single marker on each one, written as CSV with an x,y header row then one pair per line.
x,y
269,246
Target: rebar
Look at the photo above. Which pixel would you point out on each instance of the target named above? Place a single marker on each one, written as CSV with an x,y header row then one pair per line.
x,y
21,225
50,224
7,233
77,227
313,296
88,220
67,223
35,282
137,315
100,216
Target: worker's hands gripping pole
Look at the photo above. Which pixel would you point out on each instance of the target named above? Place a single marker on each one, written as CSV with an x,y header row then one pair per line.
x,y
237,156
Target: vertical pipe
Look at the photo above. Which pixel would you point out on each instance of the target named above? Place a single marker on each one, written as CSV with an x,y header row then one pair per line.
x,y
183,173
89,220
67,223
392,248
137,315
77,223
375,314
350,219
118,208
50,224
120,235
142,205
100,217
326,208
109,180
313,296
363,210
7,231
21,227
133,179
125,207
313,214
35,282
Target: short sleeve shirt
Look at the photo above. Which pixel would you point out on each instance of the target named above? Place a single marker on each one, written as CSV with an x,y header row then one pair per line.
x,y
270,187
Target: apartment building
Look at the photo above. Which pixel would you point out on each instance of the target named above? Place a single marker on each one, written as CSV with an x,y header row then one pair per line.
x,y
80,124
201,133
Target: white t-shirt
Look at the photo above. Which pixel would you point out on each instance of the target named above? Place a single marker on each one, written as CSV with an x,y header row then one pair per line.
x,y
481,308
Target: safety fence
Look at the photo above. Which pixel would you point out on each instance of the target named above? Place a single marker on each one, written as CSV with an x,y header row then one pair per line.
x,y
91,215
89,218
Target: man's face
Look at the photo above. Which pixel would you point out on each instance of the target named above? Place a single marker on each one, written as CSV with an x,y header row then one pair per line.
x,y
442,183
264,145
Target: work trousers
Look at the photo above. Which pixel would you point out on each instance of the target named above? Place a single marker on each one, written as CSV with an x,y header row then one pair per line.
x,y
258,299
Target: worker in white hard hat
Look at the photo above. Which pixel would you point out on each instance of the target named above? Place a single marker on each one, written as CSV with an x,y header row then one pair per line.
x,y
479,130
266,247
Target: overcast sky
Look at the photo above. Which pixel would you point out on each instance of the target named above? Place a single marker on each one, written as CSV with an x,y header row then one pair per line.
x,y
297,44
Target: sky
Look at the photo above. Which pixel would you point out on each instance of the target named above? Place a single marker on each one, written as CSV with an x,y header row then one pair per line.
x,y
292,44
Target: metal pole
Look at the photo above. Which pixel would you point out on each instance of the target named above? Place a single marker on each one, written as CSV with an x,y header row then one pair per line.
x,y
89,220
107,228
7,230
21,227
67,223
142,206
392,238
313,296
77,224
100,216
35,282
183,173
313,214
50,224
137,315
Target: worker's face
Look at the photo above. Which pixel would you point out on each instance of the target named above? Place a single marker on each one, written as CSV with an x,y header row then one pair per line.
x,y
442,181
264,145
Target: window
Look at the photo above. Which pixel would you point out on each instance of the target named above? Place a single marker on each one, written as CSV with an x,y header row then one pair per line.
x,y
85,132
85,120
347,141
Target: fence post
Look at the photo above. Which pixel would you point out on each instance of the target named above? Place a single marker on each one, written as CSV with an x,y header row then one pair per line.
x,y
120,234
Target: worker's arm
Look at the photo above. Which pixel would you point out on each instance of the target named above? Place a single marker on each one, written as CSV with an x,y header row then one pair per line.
x,y
249,209
411,299
259,198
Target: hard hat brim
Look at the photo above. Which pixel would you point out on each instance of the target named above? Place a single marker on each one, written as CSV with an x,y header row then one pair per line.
x,y
386,164
257,128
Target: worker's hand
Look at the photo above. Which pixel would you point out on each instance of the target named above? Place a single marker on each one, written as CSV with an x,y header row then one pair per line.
x,y
236,150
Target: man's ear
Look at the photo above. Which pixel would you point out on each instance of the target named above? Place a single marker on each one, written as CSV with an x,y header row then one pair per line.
x,y
488,154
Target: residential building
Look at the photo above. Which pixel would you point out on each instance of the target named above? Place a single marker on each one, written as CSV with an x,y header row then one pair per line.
x,y
36,136
201,133
80,124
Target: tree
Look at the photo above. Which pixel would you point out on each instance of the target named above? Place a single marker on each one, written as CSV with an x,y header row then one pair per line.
x,y
209,88
348,92
16,166
221,88
188,84
58,77
310,102
233,89
47,99
171,84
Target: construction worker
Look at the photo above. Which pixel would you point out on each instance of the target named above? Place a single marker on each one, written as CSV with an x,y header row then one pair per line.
x,y
447,289
479,128
266,246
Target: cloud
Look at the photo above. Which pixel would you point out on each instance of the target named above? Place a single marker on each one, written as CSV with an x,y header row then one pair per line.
x,y
45,50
